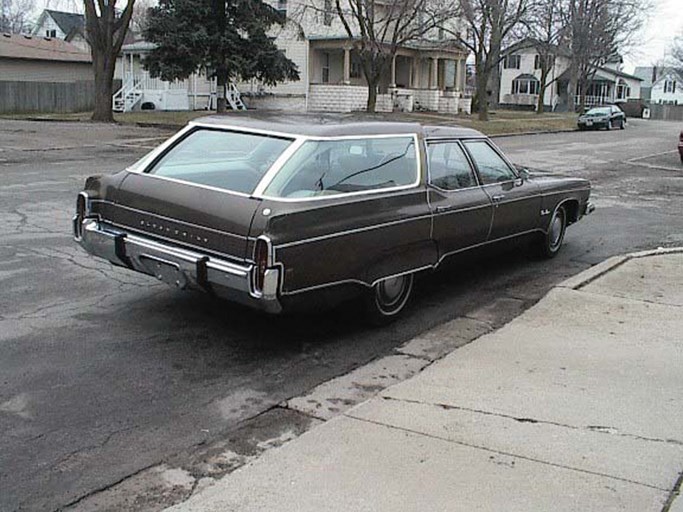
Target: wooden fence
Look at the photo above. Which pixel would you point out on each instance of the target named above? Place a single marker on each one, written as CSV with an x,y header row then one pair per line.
x,y
41,97
666,112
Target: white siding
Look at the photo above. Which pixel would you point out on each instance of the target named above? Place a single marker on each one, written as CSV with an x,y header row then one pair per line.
x,y
659,96
526,66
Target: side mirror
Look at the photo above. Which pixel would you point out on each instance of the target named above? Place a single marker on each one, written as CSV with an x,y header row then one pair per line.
x,y
524,173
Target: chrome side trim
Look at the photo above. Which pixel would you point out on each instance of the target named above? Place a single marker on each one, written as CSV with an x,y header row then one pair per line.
x,y
277,165
263,185
351,231
418,269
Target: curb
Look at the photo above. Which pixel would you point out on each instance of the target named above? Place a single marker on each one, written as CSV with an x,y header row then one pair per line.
x,y
587,276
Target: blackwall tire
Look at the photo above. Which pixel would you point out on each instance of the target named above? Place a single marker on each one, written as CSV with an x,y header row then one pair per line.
x,y
388,299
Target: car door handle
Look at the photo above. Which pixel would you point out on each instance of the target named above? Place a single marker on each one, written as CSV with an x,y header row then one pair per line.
x,y
440,209
498,197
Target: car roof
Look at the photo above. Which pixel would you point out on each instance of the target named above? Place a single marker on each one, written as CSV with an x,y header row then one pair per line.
x,y
330,126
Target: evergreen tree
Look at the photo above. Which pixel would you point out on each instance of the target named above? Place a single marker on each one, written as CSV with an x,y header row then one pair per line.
x,y
228,38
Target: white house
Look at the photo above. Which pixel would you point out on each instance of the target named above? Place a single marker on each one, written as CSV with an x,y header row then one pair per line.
x,y
67,26
520,73
668,88
426,75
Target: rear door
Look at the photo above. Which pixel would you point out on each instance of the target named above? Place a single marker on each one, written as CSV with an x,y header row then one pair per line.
x,y
516,202
462,210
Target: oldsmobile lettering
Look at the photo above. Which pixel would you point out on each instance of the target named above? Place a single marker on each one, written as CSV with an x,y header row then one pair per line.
x,y
276,214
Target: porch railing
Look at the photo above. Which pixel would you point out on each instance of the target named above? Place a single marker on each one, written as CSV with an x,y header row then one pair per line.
x,y
591,101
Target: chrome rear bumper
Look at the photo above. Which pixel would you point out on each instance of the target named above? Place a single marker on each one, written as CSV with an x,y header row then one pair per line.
x,y
178,267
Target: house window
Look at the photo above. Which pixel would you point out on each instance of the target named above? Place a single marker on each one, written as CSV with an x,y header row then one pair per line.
x,y
326,68
327,14
51,33
512,61
525,86
355,71
539,60
670,86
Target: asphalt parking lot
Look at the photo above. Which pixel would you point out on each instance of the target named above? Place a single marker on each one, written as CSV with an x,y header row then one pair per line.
x,y
106,373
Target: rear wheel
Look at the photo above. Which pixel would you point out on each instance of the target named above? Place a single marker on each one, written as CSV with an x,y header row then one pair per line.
x,y
388,298
551,242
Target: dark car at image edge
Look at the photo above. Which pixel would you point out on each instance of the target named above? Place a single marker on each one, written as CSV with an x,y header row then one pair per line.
x,y
273,213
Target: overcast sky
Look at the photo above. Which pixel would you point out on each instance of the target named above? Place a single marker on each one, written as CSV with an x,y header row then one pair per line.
x,y
664,22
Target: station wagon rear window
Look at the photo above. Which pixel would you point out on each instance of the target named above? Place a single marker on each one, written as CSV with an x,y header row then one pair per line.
x,y
332,167
233,161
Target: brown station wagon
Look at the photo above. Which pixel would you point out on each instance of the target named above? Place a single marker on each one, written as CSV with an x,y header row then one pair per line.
x,y
269,213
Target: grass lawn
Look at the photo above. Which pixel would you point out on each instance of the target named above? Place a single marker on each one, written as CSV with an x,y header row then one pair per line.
x,y
500,122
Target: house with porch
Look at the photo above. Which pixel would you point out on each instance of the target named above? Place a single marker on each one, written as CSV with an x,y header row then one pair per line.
x,y
520,74
424,75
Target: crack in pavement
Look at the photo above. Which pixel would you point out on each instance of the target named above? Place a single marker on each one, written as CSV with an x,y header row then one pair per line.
x,y
507,454
592,428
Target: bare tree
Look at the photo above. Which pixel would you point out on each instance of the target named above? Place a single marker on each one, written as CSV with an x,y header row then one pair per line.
x,y
379,28
15,16
597,30
547,32
106,29
677,51
138,21
490,24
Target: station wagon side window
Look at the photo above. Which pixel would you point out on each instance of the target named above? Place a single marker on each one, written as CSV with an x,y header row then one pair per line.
x,y
332,167
449,168
492,168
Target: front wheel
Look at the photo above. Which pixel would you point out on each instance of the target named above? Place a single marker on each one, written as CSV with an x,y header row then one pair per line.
x,y
622,124
388,298
551,242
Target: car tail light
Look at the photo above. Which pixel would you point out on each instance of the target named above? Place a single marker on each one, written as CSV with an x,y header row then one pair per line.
x,y
81,212
262,261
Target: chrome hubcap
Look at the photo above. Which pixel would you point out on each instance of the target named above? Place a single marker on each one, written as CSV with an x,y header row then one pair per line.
x,y
556,231
390,291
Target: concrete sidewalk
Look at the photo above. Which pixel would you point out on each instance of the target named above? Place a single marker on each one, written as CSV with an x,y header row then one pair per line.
x,y
575,405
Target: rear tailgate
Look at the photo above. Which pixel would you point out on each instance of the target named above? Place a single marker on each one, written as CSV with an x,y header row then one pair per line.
x,y
190,215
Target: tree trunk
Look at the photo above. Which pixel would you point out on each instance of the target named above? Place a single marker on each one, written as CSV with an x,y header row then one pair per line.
x,y
104,75
221,91
372,96
571,89
540,106
482,98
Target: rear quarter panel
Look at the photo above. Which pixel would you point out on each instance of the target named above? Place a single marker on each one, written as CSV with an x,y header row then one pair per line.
x,y
353,239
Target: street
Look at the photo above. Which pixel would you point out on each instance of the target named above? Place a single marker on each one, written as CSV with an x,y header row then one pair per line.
x,y
106,373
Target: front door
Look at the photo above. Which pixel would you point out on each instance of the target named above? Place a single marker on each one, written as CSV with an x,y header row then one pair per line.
x,y
462,210
516,202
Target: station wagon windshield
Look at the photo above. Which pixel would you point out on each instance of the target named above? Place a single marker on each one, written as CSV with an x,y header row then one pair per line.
x,y
233,161
332,167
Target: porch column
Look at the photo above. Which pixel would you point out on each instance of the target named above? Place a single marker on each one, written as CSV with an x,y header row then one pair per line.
x,y
347,66
433,72
411,73
457,75
392,83
417,65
